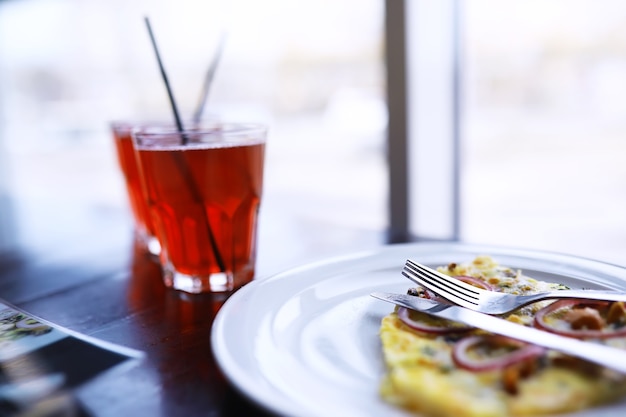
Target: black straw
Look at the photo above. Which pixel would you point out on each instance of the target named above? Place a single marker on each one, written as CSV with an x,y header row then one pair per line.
x,y
197,196
208,81
179,124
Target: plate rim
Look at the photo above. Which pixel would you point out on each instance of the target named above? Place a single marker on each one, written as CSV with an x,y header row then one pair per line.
x,y
262,397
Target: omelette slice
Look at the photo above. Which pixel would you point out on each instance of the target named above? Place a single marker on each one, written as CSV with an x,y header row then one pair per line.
x,y
438,368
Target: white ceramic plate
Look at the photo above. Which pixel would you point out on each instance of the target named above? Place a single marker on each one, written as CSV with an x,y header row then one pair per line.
x,y
305,342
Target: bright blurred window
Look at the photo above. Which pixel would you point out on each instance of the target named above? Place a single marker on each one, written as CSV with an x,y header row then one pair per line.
x,y
312,70
542,115
545,125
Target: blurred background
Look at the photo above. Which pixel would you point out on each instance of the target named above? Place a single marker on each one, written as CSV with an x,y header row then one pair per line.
x,y
542,129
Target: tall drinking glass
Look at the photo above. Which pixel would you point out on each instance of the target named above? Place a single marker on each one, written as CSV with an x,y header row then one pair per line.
x,y
144,229
204,189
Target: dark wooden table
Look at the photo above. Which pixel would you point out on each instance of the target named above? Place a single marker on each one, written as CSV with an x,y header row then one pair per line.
x,y
93,280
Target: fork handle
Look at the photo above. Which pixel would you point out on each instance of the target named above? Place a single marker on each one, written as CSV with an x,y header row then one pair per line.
x,y
601,295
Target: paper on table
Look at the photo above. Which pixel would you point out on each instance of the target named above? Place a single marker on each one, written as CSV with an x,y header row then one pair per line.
x,y
40,362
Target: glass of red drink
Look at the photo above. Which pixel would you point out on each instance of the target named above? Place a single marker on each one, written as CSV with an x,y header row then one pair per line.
x,y
203,187
144,230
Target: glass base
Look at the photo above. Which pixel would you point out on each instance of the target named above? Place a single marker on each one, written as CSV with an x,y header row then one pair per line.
x,y
153,246
214,283
149,243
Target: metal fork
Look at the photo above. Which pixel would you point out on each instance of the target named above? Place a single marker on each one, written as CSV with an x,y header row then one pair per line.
x,y
491,302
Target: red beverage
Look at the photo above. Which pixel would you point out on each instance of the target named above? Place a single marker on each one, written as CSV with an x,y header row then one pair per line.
x,y
139,206
204,200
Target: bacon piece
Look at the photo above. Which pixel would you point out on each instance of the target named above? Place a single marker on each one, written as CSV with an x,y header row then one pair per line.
x,y
585,318
616,313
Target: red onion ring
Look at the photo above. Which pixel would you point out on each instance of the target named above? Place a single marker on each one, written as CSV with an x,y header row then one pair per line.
x,y
540,321
404,316
477,282
524,351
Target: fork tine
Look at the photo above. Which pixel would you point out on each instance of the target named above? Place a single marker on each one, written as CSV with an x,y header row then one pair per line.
x,y
437,290
439,286
463,294
442,287
446,280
